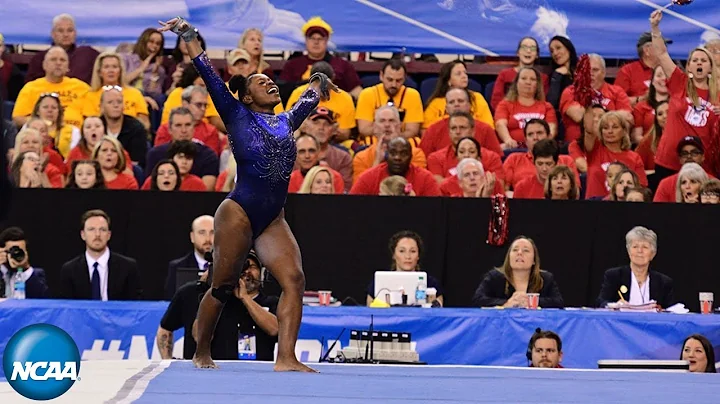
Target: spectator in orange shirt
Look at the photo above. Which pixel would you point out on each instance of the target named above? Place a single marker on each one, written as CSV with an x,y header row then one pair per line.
x,y
442,162
30,140
129,131
321,125
64,35
635,77
307,158
26,171
85,174
528,52
525,101
399,154
473,180
519,166
391,91
386,127
165,176
623,180
469,147
649,143
545,157
109,153
454,75
437,135
319,180
644,111
194,98
561,184
611,97
710,192
317,34
613,144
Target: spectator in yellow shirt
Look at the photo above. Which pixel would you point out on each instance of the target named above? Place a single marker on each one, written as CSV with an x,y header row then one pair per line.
x,y
454,75
69,90
386,127
190,77
50,111
341,103
109,71
391,91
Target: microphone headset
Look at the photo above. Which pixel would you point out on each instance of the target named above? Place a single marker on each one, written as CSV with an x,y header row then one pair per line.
x,y
535,337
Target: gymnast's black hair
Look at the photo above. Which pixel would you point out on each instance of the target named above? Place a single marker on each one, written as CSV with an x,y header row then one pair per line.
x,y
238,84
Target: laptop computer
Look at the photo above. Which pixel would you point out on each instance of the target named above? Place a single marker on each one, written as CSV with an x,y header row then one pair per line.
x,y
390,285
185,275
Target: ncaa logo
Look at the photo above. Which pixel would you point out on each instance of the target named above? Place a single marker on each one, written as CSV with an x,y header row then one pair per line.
x,y
41,362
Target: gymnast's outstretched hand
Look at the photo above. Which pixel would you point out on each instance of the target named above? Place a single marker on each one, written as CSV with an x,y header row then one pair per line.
x,y
321,83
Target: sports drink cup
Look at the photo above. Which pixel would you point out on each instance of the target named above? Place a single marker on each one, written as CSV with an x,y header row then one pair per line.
x,y
706,302
533,300
324,297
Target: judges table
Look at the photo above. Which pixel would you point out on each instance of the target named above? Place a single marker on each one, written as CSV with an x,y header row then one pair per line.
x,y
126,330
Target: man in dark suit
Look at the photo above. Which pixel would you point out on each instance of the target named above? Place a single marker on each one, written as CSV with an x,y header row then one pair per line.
x,y
99,274
14,257
637,283
202,236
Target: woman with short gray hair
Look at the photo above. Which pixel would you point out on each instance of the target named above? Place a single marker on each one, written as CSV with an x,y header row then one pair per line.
x,y
689,182
637,283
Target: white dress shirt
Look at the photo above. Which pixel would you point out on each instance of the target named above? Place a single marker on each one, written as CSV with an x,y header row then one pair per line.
x,y
102,270
639,295
201,261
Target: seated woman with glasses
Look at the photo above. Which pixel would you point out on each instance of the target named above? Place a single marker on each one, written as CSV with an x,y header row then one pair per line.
x,y
710,192
109,73
528,52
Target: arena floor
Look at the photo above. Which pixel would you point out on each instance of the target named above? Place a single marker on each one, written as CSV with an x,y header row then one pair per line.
x,y
179,382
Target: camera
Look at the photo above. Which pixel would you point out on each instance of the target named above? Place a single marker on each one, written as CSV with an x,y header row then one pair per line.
x,y
16,253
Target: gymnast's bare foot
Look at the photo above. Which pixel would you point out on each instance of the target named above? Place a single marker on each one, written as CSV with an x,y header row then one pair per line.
x,y
292,365
204,362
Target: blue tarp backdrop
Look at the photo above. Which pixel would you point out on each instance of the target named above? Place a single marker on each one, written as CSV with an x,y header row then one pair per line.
x,y
126,330
608,27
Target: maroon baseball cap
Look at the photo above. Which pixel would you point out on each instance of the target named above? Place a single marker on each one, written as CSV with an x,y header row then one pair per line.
x,y
322,113
691,140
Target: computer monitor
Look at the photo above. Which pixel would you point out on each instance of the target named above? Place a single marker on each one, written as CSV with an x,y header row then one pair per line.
x,y
185,275
389,284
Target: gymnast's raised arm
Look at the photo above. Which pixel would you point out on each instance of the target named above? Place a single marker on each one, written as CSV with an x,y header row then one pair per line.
x,y
221,96
318,89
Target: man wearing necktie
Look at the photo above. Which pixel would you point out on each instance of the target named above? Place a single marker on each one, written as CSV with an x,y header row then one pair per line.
x,y
99,274
202,236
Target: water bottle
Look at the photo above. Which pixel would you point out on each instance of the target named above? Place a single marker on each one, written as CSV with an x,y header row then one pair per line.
x,y
420,295
19,285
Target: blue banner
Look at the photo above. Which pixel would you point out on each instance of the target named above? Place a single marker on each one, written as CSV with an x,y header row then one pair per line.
x,y
490,27
126,330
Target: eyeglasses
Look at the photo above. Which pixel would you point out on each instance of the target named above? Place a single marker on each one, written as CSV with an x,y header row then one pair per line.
x,y
116,88
710,195
528,47
694,153
54,95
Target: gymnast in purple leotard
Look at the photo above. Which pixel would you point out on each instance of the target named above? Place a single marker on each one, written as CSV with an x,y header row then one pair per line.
x,y
252,214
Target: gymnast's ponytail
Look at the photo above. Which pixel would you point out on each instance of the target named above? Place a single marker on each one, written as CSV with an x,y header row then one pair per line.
x,y
238,84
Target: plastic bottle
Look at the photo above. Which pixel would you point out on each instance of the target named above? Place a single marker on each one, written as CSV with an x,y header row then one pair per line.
x,y
19,285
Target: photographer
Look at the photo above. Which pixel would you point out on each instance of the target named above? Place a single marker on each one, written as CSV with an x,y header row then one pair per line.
x,y
248,318
14,257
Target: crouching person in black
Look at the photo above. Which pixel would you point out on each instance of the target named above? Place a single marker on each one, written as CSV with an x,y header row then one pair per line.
x,y
249,317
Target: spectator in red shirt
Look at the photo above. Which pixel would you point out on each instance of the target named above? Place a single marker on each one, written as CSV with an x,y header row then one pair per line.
x,y
109,153
442,162
589,123
469,147
307,158
635,77
649,143
317,34
644,111
710,192
319,180
26,171
611,97
690,150
545,157
437,135
525,101
623,180
30,140
64,35
399,155
165,176
52,156
528,52
194,98
613,144
473,180
519,166
85,174
694,102
561,184
182,153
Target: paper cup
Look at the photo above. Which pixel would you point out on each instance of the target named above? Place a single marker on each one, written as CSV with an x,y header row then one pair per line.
x,y
430,295
533,300
706,302
324,296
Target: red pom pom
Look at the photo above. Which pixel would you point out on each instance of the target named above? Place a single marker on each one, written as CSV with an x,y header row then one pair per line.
x,y
584,93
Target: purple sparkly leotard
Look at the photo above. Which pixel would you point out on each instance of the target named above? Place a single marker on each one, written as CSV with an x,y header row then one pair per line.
x,y
263,146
